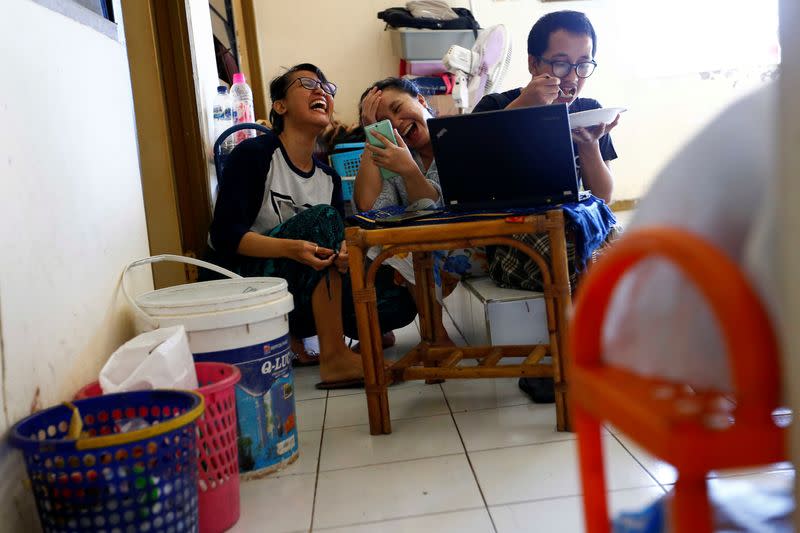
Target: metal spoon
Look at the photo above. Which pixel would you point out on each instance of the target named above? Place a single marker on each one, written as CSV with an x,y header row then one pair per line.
x,y
562,94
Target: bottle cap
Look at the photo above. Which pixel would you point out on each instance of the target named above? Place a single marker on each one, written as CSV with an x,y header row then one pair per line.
x,y
222,89
238,78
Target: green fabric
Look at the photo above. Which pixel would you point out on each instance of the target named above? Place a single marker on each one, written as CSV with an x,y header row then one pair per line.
x,y
322,225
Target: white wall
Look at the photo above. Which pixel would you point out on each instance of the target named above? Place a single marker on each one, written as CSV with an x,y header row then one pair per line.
x,y
649,54
72,217
344,38
666,108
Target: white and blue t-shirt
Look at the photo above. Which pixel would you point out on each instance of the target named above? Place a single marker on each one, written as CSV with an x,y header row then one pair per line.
x,y
260,189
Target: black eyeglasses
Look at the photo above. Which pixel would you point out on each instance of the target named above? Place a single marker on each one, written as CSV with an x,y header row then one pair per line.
x,y
561,69
311,84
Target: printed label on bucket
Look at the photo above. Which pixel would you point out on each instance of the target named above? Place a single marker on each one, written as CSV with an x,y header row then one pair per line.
x,y
265,408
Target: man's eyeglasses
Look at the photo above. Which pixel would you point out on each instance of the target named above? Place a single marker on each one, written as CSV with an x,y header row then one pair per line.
x,y
311,84
561,69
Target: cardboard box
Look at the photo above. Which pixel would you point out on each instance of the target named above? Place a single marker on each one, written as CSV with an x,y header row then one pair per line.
x,y
443,105
487,314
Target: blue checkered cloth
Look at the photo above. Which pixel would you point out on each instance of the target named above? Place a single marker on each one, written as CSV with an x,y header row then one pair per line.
x,y
590,221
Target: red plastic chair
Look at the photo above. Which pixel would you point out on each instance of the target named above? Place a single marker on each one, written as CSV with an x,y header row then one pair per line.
x,y
689,429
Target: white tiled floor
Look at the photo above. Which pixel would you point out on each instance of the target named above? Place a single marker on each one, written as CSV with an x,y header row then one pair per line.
x,y
468,456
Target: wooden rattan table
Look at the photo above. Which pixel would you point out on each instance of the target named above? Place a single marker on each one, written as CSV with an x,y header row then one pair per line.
x,y
431,362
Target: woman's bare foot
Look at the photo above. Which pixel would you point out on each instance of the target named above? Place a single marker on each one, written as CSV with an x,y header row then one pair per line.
x,y
342,365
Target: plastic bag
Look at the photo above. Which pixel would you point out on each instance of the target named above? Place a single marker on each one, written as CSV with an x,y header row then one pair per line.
x,y
432,9
658,324
738,506
158,359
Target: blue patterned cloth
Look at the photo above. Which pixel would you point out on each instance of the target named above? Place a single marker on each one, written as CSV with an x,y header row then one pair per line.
x,y
591,221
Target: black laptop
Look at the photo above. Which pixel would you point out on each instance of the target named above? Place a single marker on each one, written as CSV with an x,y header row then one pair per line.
x,y
509,158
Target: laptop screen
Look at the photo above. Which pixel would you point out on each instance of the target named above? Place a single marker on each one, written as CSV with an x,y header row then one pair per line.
x,y
509,158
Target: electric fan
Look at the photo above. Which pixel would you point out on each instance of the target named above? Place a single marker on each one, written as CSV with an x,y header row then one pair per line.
x,y
479,71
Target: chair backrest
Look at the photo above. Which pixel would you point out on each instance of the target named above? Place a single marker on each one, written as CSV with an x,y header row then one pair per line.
x,y
219,157
743,320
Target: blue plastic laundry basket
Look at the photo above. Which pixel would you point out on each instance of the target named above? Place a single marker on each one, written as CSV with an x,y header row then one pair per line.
x,y
133,467
348,185
346,158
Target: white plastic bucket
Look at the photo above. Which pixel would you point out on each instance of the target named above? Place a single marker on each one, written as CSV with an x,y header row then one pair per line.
x,y
244,322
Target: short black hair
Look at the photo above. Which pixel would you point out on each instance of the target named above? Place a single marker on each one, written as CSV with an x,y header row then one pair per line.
x,y
278,87
401,84
571,21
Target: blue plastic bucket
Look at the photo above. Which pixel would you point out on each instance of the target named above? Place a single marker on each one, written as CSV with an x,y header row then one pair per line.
x,y
243,322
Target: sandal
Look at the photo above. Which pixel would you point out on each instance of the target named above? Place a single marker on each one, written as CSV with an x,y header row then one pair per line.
x,y
541,390
344,384
302,357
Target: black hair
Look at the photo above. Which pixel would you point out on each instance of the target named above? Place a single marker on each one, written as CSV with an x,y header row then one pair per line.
x,y
278,87
571,21
400,84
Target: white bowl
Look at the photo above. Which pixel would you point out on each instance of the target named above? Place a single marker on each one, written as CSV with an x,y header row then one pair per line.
x,y
593,117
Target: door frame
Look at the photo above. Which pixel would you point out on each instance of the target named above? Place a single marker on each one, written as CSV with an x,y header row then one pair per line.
x,y
170,72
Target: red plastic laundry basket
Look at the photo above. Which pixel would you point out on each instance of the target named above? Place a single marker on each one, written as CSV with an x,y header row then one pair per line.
x,y
218,458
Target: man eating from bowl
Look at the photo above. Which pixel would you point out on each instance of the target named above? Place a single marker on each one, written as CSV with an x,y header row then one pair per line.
x,y
561,51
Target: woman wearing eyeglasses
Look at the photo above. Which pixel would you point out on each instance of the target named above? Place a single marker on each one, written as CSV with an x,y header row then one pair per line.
x,y
561,51
279,213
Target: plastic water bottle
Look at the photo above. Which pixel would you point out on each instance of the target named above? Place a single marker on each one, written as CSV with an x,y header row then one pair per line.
x,y
223,117
242,105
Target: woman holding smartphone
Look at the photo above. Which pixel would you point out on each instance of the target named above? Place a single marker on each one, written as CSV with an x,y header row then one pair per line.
x,y
417,181
279,213
411,157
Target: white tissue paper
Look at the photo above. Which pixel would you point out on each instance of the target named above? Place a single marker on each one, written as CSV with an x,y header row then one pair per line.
x,y
159,359
715,187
